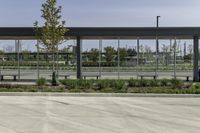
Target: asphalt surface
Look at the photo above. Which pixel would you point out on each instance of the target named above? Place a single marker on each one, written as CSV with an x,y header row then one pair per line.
x,y
48,114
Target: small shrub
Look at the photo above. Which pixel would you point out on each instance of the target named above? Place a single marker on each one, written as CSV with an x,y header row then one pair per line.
x,y
196,86
41,82
118,85
153,83
69,84
101,84
132,83
143,83
164,82
176,83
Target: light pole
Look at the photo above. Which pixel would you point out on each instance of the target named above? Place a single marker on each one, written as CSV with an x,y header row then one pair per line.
x,y
157,18
157,46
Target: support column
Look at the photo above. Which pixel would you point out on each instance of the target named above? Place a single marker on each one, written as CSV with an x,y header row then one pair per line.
x,y
118,59
79,57
138,51
100,52
138,56
196,59
38,58
17,42
157,56
175,45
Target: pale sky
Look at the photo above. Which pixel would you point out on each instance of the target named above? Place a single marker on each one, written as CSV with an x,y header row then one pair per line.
x,y
105,12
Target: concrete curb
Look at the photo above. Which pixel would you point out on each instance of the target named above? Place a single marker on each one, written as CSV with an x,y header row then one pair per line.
x,y
98,94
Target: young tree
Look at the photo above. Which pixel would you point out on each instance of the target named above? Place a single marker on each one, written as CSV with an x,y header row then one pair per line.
x,y
52,33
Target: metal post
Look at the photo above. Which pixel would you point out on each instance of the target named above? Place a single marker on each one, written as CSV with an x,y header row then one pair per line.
x,y
18,58
157,54
157,18
118,59
175,58
38,71
138,51
79,58
196,59
100,51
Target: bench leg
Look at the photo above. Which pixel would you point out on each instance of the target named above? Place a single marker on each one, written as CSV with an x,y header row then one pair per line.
x,y
85,77
187,79
14,78
65,77
97,77
2,77
141,77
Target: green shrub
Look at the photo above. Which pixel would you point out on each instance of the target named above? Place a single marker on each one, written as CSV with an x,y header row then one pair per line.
x,y
143,83
196,86
176,83
164,82
69,84
101,84
85,84
41,81
132,83
119,85
153,83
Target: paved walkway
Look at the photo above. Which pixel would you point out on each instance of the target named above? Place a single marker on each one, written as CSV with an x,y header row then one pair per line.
x,y
22,114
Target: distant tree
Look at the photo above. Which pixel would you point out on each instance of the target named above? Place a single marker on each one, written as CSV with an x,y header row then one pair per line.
x,y
166,54
1,51
141,49
53,31
94,55
109,53
131,52
190,49
187,58
122,53
147,49
65,49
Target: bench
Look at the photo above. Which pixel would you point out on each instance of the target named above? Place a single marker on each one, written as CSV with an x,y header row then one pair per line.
x,y
62,75
97,76
185,76
146,75
8,75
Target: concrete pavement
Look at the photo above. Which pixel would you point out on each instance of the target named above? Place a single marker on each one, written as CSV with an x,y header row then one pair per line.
x,y
49,114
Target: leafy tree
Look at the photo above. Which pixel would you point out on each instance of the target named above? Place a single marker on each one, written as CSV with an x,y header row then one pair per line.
x,y
65,49
109,53
131,52
147,49
94,55
52,33
188,58
122,53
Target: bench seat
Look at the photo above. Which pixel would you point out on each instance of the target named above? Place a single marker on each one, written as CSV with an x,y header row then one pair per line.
x,y
92,75
8,75
185,76
147,75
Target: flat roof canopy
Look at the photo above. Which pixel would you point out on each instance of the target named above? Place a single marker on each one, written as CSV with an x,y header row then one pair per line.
x,y
14,33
